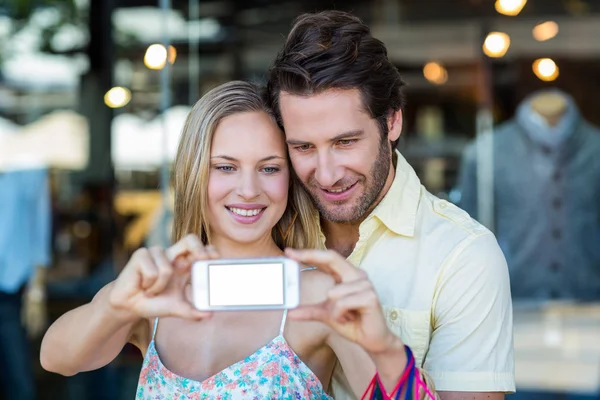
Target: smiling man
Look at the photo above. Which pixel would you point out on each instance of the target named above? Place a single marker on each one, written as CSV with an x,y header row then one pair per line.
x,y
440,276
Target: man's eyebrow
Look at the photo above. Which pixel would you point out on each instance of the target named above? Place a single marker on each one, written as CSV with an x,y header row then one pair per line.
x,y
345,135
292,142
341,136
268,158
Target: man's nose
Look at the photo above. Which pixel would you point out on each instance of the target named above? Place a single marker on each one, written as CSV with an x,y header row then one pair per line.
x,y
326,172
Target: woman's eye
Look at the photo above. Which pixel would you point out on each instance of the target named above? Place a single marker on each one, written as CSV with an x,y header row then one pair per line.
x,y
270,170
224,168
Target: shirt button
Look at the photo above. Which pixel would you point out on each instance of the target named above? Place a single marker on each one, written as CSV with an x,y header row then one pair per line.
x,y
556,233
546,150
554,266
556,176
557,203
394,315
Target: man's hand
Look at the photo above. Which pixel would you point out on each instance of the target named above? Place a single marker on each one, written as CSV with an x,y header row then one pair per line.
x,y
353,311
352,308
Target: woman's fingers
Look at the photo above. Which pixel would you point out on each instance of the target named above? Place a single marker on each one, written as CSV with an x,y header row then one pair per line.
x,y
212,252
183,309
146,267
189,245
171,306
164,268
188,250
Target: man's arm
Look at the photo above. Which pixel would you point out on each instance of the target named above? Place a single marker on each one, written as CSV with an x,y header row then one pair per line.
x,y
359,368
471,347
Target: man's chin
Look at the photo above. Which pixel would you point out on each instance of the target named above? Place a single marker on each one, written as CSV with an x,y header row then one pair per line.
x,y
343,212
338,214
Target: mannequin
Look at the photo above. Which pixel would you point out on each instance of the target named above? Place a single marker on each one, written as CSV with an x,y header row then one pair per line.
x,y
546,190
549,105
546,209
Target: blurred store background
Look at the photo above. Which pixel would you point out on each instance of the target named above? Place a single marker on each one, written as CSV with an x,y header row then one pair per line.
x,y
501,119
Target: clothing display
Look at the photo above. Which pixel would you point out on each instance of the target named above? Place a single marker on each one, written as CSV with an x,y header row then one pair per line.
x,y
546,194
25,231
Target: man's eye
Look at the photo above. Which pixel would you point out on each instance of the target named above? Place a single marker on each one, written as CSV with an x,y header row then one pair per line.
x,y
303,147
346,142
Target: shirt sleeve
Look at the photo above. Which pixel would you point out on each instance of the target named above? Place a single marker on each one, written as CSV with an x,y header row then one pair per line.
x,y
471,347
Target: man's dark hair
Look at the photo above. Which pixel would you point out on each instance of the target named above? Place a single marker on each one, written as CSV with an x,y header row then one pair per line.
x,y
335,50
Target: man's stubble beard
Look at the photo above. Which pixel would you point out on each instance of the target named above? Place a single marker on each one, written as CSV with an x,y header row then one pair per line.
x,y
355,213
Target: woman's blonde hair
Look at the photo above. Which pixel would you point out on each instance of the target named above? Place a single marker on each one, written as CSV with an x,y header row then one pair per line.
x,y
192,167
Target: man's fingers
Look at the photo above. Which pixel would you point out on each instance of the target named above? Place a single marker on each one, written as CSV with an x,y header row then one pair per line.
x,y
340,311
318,258
165,271
327,261
316,312
345,289
349,307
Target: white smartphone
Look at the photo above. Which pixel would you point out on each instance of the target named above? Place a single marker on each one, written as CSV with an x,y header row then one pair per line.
x,y
246,284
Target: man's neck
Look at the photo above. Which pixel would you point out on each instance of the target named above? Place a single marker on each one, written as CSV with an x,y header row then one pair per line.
x,y
340,237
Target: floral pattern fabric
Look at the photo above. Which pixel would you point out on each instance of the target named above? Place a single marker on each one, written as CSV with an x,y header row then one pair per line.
x,y
272,372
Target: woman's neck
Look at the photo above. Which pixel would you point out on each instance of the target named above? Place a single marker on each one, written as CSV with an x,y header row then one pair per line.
x,y
227,248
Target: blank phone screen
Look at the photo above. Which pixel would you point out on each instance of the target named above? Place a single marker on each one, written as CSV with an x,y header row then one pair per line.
x,y
245,284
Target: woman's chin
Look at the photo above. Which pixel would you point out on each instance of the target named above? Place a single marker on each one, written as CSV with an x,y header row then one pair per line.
x,y
249,238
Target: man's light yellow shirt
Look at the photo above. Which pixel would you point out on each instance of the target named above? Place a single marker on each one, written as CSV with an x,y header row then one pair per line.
x,y
443,283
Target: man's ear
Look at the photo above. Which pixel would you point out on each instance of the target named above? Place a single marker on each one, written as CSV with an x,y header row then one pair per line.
x,y
394,122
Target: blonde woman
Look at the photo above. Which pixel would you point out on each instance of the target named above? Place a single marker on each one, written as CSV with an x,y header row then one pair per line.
x,y
234,197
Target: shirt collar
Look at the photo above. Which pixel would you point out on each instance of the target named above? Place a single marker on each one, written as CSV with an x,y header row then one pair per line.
x,y
398,208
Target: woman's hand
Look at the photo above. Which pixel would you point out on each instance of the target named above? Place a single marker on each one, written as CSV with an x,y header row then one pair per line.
x,y
153,283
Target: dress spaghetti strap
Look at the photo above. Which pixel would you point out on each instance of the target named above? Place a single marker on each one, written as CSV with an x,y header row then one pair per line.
x,y
285,312
155,326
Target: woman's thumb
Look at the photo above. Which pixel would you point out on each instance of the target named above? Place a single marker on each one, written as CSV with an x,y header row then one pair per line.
x,y
185,310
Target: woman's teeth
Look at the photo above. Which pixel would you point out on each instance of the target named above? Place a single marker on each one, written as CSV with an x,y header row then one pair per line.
x,y
244,212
